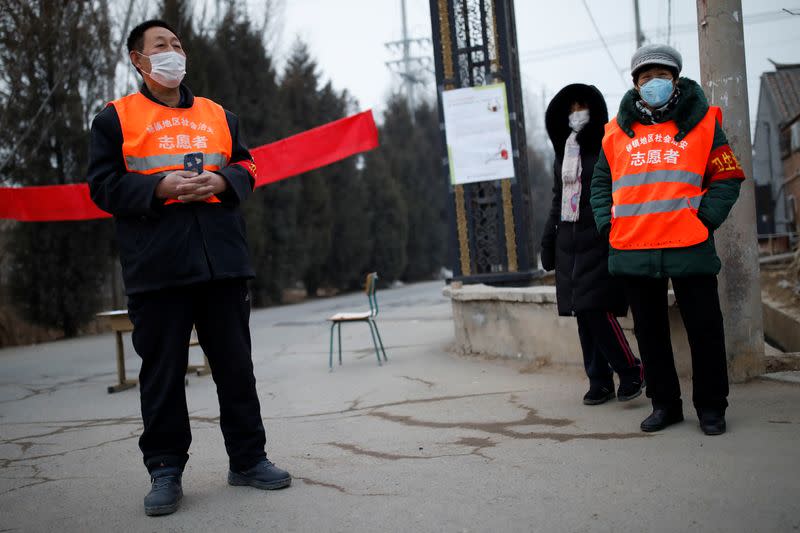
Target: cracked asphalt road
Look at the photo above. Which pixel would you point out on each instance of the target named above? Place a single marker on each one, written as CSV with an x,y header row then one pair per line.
x,y
430,442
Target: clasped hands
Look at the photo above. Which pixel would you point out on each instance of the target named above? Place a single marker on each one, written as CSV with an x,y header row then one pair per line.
x,y
186,186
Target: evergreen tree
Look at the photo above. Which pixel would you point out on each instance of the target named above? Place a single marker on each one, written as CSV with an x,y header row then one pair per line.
x,y
388,215
246,84
410,148
302,102
351,236
433,186
201,53
54,63
275,268
244,78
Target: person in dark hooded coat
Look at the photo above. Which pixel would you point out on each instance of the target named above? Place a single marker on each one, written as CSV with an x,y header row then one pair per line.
x,y
572,246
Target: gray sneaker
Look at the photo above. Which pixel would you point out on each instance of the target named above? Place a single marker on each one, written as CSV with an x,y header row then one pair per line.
x,y
166,491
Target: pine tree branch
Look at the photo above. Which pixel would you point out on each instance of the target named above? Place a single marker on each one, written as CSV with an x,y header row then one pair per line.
x,y
59,78
29,129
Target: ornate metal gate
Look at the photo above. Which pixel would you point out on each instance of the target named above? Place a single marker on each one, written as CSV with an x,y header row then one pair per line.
x,y
475,44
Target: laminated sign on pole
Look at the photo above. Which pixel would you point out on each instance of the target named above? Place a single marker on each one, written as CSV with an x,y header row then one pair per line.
x,y
478,134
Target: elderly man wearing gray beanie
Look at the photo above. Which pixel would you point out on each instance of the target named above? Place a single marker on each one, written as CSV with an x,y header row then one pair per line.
x,y
665,180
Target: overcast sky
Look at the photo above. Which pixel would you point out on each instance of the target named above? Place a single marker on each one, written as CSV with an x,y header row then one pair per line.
x,y
347,38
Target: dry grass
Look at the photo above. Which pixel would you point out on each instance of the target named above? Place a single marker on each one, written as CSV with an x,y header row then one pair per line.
x,y
14,331
781,283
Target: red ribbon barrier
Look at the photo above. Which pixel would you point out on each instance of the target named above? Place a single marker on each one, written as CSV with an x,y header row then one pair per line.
x,y
49,203
283,159
315,148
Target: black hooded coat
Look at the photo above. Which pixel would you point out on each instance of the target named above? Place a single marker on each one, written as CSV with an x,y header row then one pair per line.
x,y
575,249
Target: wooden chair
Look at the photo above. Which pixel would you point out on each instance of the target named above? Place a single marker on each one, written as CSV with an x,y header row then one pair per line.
x,y
366,316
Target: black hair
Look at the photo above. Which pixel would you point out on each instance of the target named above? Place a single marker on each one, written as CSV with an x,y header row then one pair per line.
x,y
136,36
635,74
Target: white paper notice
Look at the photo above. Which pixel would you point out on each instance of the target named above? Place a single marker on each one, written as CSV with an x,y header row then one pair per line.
x,y
478,134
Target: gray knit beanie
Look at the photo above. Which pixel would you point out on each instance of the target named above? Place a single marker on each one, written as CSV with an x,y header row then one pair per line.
x,y
656,54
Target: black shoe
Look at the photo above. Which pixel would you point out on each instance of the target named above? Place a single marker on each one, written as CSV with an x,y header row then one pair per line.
x,y
263,475
166,492
712,421
661,418
629,390
598,395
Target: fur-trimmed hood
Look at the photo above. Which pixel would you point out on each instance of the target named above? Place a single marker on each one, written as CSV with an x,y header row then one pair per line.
x,y
690,109
556,118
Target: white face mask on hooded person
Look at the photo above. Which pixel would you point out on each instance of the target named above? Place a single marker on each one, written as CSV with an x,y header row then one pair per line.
x,y
578,119
167,68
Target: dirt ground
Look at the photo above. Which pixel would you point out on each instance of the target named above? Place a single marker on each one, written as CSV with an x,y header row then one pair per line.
x,y
781,285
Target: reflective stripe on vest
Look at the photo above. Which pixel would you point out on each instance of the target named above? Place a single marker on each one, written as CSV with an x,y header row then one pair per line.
x,y
657,206
657,176
656,183
144,164
155,138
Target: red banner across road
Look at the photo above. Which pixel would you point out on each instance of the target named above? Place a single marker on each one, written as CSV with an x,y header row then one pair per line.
x,y
283,159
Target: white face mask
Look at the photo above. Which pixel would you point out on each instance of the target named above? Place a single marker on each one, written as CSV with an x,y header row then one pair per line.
x,y
167,68
578,119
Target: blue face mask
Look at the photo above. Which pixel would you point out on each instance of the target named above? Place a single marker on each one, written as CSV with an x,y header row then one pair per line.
x,y
656,92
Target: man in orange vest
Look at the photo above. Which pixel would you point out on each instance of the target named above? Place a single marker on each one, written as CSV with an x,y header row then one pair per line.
x,y
185,261
665,180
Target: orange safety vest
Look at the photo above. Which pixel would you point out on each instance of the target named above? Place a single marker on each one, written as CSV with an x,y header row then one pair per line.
x,y
656,183
155,138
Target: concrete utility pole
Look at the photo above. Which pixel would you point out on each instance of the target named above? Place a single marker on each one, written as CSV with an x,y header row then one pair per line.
x,y
724,79
669,22
638,22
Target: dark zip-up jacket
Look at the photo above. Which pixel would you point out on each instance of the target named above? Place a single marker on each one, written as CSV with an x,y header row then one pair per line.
x,y
575,249
179,244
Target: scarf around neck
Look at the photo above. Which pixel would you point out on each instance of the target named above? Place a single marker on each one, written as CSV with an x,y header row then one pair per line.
x,y
658,115
571,179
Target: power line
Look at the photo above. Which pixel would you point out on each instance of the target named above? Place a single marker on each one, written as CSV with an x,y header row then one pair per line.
x,y
608,51
589,45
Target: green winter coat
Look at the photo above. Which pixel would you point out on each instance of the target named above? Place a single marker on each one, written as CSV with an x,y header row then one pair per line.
x,y
717,202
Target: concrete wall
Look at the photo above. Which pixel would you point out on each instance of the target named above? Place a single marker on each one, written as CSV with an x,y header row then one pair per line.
x,y
523,323
781,326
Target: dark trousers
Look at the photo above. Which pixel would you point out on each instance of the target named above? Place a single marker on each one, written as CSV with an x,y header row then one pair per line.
x,y
605,348
698,302
162,325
